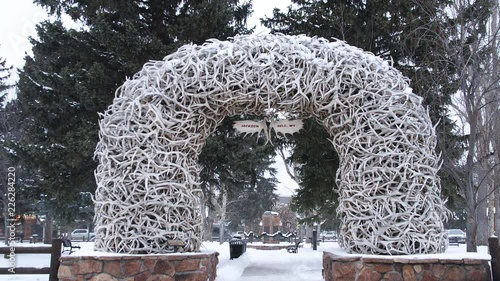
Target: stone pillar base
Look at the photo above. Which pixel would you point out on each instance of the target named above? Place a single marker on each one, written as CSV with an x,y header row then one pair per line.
x,y
354,268
167,267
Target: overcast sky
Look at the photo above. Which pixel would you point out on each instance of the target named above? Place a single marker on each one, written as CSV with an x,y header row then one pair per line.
x,y
19,17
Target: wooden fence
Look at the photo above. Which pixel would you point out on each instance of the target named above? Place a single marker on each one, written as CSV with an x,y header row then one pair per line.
x,y
55,253
494,247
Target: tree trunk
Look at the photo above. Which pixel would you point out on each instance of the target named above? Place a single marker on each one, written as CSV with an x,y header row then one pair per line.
x,y
289,170
208,222
471,231
49,223
482,217
497,213
222,233
210,226
491,205
496,199
309,231
491,215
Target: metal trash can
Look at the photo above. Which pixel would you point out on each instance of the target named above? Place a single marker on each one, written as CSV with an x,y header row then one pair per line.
x,y
236,248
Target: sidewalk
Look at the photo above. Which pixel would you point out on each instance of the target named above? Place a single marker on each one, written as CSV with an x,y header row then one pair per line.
x,y
277,265
275,273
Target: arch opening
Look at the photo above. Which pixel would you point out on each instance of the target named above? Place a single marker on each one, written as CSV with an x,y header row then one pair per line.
x,y
152,134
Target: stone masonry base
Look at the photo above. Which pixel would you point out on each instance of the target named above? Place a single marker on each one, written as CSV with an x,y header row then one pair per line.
x,y
168,267
348,268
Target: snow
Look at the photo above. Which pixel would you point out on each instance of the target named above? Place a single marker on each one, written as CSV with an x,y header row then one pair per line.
x,y
255,264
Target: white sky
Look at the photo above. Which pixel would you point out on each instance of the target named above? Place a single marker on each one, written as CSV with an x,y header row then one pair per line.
x,y
17,22
19,17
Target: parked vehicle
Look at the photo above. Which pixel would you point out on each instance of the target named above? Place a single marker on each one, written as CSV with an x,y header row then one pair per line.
x,y
328,235
82,235
457,234
239,235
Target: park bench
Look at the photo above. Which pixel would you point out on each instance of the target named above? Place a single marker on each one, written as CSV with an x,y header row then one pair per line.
x,y
35,238
66,243
175,244
294,248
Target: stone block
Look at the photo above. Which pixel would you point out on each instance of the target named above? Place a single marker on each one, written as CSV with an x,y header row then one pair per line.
x,y
64,272
477,274
159,277
187,265
378,260
87,266
130,267
427,275
368,274
148,265
438,270
345,259
143,276
383,268
179,257
454,273
113,268
472,261
103,277
343,271
402,260
392,276
164,267
409,273
451,261
191,276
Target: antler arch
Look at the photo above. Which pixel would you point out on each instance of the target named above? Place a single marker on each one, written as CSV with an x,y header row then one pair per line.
x,y
152,134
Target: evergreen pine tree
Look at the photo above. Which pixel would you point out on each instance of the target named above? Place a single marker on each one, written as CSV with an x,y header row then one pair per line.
x,y
316,161
399,31
4,128
4,77
73,75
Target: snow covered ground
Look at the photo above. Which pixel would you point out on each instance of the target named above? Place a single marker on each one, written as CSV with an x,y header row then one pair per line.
x,y
253,265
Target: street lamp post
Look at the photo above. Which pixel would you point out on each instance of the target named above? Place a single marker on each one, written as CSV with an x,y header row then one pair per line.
x,y
315,237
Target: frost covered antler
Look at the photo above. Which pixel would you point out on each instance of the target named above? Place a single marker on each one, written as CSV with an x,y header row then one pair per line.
x,y
152,134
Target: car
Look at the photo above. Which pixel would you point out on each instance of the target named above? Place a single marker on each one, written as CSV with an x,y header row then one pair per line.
x,y
82,234
239,235
328,235
457,235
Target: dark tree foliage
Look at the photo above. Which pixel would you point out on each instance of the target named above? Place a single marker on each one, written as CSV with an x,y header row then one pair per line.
x,y
73,75
317,165
401,31
240,166
5,128
4,77
11,175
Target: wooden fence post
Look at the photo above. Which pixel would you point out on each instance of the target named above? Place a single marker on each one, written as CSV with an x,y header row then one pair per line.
x,y
54,259
495,257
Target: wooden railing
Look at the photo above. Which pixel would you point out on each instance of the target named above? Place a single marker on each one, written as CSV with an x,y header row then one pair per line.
x,y
55,253
251,237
